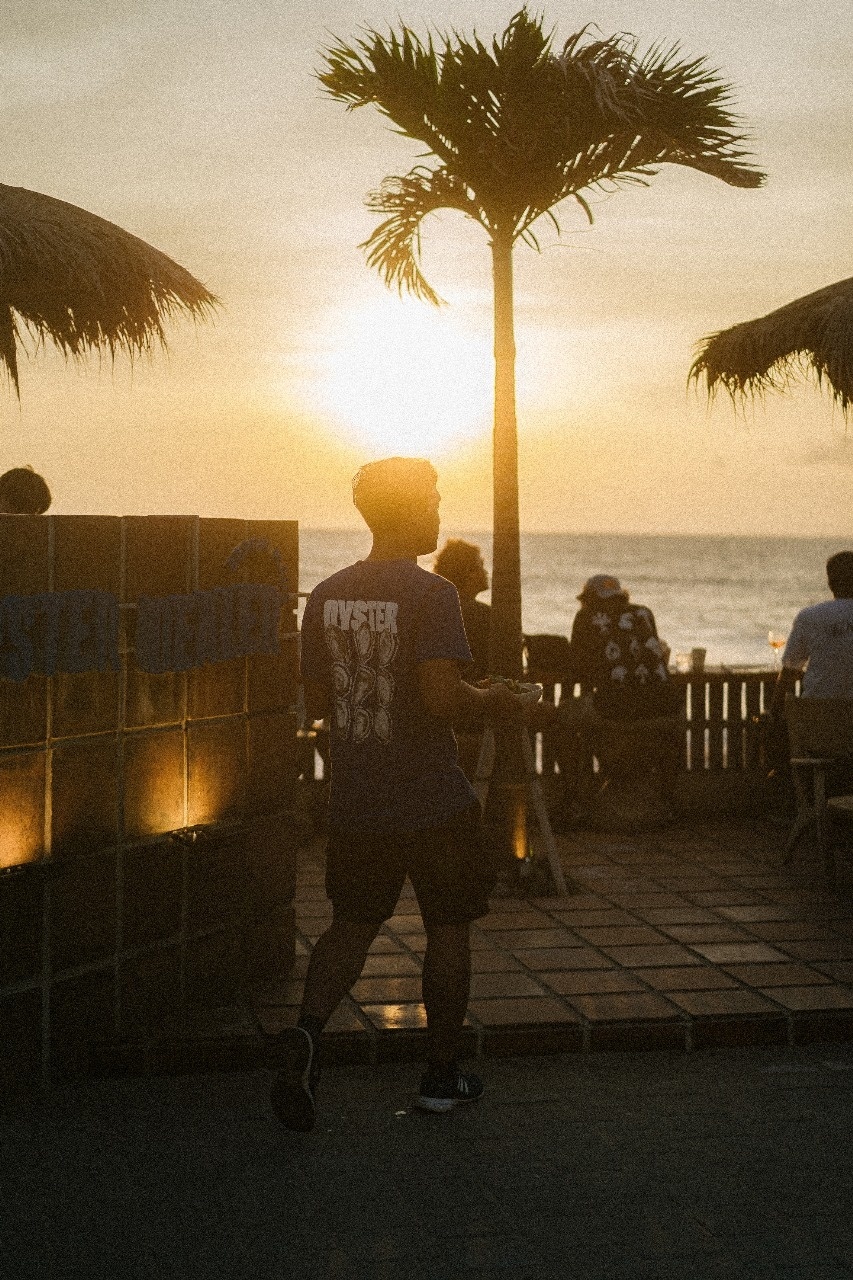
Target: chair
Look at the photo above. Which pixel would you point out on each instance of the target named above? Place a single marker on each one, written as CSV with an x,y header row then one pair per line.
x,y
821,736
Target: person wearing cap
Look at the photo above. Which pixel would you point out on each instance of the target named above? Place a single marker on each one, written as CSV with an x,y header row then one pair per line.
x,y
620,662
383,648
617,654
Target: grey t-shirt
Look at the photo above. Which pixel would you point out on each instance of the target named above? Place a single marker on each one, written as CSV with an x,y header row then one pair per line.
x,y
364,633
821,644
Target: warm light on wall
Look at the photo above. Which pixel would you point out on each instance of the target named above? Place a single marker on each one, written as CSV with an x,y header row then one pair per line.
x,y
18,844
518,808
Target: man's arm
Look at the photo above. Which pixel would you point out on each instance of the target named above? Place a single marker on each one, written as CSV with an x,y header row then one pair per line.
x,y
446,695
785,683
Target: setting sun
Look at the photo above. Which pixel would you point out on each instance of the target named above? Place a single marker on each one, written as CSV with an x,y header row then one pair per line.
x,y
403,377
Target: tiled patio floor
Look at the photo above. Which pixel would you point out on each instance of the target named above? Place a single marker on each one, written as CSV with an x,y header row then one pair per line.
x,y
684,938
689,937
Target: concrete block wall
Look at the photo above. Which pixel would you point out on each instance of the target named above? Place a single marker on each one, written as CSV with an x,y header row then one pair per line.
x,y
111,924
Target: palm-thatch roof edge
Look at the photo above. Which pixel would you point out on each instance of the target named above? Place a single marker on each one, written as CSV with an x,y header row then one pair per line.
x,y
812,335
84,283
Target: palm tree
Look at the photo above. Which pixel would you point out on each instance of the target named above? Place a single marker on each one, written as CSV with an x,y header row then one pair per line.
x,y
812,334
82,282
514,128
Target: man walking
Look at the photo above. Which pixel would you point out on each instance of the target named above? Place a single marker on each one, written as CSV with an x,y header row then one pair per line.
x,y
382,644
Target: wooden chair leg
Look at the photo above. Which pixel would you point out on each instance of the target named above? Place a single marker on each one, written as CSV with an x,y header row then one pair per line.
x,y
802,822
824,840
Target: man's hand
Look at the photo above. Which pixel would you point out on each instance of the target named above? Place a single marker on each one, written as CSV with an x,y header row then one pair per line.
x,y
504,706
447,696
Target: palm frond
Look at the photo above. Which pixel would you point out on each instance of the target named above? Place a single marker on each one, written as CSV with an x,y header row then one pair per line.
x,y
83,283
394,247
812,335
525,127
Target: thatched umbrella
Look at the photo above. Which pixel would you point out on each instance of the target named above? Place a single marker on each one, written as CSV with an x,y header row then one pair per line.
x,y
83,282
813,334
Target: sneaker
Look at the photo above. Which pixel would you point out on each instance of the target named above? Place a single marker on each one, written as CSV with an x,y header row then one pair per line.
x,y
443,1092
292,1093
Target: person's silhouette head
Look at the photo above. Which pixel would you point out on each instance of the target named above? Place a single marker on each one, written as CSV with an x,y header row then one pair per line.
x,y
839,574
23,492
461,563
398,500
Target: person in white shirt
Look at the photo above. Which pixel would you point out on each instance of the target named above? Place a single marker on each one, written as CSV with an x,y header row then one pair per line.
x,y
820,647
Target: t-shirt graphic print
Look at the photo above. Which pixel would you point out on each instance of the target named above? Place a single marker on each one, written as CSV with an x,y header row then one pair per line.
x,y
361,636
365,632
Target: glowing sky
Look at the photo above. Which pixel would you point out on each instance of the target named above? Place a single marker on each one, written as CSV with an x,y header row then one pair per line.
x,y
198,126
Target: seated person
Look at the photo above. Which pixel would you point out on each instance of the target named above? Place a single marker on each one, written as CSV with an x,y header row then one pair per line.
x,y
820,646
616,653
617,656
461,563
23,492
819,652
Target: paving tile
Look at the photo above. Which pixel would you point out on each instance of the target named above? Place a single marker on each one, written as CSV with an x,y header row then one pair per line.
x,y
578,902
390,963
479,941
559,958
696,884
738,952
796,998
521,1011
387,990
591,982
491,961
634,957
692,933
790,930
643,901
506,1041
405,924
840,970
637,935
677,915
526,919
726,898
395,1017
706,1004
732,867
776,975
512,939
382,944
491,985
755,913
594,919
640,1006
818,949
308,909
703,977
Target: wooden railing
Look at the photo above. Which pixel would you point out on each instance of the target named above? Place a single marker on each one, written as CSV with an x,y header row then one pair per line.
x,y
721,720
721,717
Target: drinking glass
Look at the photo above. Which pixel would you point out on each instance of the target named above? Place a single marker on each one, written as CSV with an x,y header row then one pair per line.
x,y
776,640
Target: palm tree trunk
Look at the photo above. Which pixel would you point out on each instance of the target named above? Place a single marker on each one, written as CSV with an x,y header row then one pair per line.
x,y
505,640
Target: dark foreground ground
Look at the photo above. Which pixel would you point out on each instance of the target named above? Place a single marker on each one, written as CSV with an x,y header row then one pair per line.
x,y
735,1163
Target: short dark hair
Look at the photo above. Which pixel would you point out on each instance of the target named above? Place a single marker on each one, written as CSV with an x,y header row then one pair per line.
x,y
456,559
24,492
386,491
839,573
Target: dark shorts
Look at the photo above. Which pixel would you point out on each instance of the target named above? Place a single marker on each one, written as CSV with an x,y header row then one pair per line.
x,y
451,869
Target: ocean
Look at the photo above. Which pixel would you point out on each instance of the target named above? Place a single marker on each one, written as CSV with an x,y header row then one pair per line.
x,y
723,594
